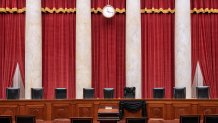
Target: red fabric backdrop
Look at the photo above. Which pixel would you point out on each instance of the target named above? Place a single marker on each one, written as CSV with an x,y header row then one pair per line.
x,y
205,43
58,32
108,49
12,39
157,48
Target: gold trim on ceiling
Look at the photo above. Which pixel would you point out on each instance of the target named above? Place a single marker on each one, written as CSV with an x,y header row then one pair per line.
x,y
99,10
206,10
160,10
12,10
59,10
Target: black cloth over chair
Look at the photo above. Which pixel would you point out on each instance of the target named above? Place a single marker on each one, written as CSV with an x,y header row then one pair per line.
x,y
132,106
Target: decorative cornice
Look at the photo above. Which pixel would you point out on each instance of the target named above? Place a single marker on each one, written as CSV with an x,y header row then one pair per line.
x,y
12,10
59,10
99,10
204,10
160,10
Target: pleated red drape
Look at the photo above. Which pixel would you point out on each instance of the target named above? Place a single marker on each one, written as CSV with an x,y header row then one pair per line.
x,y
205,42
58,32
108,49
157,47
12,39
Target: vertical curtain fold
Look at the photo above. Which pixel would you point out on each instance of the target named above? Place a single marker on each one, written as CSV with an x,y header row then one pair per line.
x,y
59,32
12,40
204,24
157,46
108,49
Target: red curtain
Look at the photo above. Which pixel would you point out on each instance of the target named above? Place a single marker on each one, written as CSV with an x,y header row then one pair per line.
x,y
157,47
204,32
108,49
58,32
12,39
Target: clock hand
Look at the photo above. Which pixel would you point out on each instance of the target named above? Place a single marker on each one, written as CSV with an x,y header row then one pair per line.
x,y
109,11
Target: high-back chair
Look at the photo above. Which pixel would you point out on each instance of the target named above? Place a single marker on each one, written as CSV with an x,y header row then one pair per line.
x,y
158,93
108,92
37,93
88,93
81,120
190,119
202,92
25,119
179,92
60,93
211,118
13,93
129,92
5,119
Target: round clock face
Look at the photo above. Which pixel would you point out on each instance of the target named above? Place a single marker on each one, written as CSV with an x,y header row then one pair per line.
x,y
108,11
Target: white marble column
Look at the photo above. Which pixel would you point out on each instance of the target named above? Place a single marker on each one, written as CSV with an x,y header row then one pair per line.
x,y
133,45
83,46
183,45
33,47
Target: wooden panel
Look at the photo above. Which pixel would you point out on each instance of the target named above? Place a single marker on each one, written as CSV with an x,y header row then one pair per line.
x,y
61,111
85,110
156,110
37,110
180,109
9,110
208,109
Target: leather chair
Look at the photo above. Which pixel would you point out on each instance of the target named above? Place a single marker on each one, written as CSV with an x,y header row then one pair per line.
x,y
108,92
25,119
129,92
137,120
88,93
179,92
81,120
13,93
211,118
60,93
37,93
202,92
190,119
5,119
158,93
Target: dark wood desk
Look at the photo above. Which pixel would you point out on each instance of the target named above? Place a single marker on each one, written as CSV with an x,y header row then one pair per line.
x,y
108,115
47,110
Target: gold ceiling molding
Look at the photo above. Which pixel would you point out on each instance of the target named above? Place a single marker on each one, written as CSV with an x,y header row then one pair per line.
x,y
160,10
206,10
12,10
59,10
99,10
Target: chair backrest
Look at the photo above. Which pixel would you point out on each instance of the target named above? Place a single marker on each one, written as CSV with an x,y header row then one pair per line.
x,y
158,92
37,93
190,119
81,120
88,93
129,92
179,92
108,92
211,118
137,120
5,119
13,93
25,119
60,93
202,92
